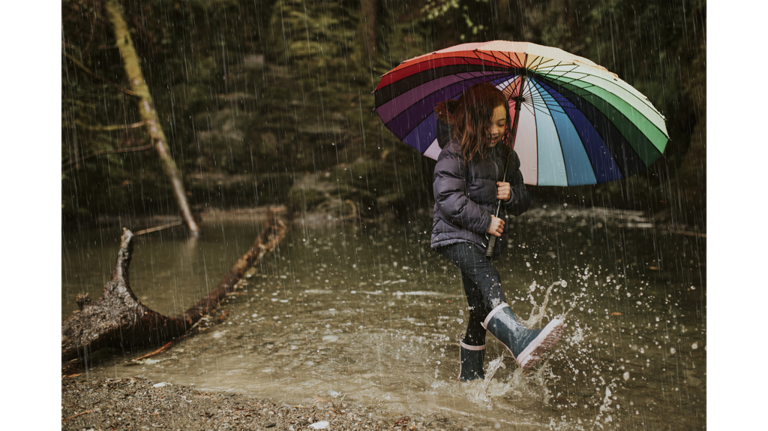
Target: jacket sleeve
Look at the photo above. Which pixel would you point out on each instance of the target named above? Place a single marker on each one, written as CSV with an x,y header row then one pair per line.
x,y
521,198
449,187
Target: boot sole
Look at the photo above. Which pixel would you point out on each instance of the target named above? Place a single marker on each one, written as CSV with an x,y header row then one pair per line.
x,y
544,341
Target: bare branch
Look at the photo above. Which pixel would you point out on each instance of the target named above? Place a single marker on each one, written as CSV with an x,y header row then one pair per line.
x,y
67,166
95,75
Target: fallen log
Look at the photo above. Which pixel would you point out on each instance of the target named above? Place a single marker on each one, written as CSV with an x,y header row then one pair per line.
x,y
118,319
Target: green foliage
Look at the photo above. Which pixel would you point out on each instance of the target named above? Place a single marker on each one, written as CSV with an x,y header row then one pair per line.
x,y
265,90
299,199
310,33
651,44
456,11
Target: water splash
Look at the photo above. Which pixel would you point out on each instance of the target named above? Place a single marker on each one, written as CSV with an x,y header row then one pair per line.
x,y
539,311
530,386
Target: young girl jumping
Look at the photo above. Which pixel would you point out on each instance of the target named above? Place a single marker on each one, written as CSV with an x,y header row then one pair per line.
x,y
469,180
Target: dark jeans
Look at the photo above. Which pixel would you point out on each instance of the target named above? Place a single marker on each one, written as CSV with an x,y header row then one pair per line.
x,y
482,285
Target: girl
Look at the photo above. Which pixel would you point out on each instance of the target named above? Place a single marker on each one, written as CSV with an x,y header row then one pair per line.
x,y
467,183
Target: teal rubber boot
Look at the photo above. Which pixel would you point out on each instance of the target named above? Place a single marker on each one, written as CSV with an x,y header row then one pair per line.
x,y
525,345
472,359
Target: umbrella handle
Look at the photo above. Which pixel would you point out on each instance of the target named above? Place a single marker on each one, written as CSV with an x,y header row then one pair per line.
x,y
491,246
492,241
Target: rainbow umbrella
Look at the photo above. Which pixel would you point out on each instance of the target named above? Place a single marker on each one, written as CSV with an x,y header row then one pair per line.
x,y
574,122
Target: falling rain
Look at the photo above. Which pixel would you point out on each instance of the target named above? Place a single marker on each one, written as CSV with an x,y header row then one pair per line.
x,y
247,106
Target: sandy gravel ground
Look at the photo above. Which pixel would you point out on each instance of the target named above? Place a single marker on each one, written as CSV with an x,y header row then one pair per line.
x,y
139,404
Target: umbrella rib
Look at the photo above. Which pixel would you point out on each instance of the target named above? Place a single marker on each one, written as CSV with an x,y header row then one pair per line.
x,y
541,62
502,61
475,52
590,85
557,130
529,94
629,144
542,106
515,87
552,68
415,64
572,79
483,61
465,83
574,67
555,98
530,89
584,71
644,100
533,105
467,61
531,109
528,98
509,58
479,76
522,92
509,82
394,89
592,163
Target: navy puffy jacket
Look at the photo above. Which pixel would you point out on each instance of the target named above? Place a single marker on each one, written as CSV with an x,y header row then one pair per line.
x,y
465,197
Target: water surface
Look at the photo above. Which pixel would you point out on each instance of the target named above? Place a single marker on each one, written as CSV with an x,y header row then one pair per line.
x,y
373,315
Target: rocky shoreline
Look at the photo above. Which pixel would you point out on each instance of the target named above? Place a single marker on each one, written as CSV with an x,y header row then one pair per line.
x,y
137,403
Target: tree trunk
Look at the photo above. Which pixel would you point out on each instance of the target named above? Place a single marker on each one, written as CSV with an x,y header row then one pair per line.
x,y
119,319
368,34
147,111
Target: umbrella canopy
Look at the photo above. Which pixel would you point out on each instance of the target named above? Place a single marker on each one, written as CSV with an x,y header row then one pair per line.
x,y
578,123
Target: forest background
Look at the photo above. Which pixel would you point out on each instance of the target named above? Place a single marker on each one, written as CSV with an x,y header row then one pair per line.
x,y
269,101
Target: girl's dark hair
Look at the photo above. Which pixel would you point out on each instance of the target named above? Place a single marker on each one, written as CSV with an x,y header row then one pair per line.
x,y
470,118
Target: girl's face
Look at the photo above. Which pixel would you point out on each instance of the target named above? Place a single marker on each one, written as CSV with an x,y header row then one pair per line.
x,y
498,125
